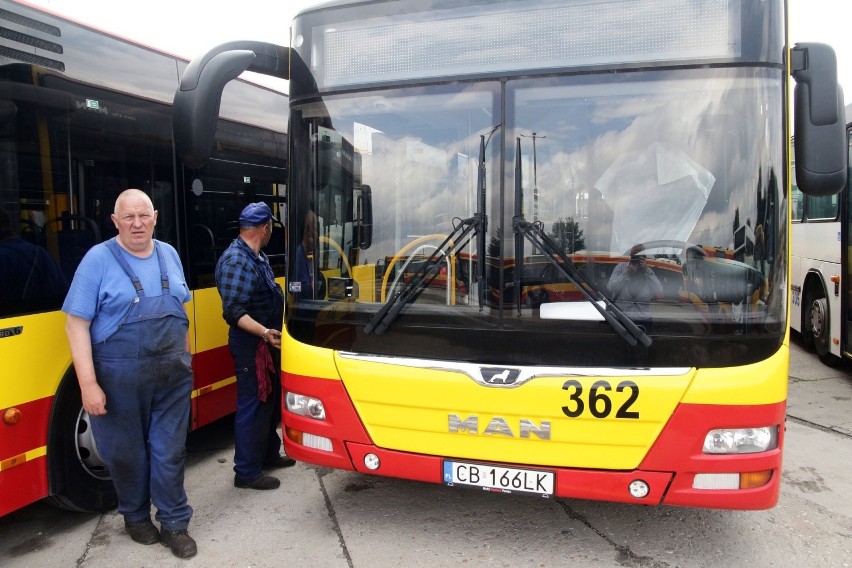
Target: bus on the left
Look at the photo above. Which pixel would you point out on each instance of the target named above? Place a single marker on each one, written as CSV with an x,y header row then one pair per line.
x,y
83,116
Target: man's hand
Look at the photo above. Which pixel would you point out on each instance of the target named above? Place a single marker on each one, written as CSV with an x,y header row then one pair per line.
x,y
274,338
94,399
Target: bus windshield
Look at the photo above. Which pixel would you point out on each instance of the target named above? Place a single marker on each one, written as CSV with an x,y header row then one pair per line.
x,y
648,181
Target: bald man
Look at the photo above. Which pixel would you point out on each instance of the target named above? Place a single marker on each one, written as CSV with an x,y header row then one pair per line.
x,y
128,333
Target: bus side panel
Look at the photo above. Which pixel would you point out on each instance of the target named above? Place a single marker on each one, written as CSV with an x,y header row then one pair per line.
x,y
34,358
29,380
23,463
825,270
813,251
23,485
215,387
214,391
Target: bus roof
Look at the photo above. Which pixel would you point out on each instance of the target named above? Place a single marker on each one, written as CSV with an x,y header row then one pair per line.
x,y
330,4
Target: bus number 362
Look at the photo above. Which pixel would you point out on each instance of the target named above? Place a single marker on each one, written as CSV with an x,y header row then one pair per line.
x,y
599,401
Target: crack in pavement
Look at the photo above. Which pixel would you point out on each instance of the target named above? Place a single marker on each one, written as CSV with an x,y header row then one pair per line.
x,y
626,557
99,536
321,473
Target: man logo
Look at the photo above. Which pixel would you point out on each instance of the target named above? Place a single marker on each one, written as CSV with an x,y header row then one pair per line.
x,y
499,426
498,376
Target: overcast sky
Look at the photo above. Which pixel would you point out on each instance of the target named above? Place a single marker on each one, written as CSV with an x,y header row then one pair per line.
x,y
190,27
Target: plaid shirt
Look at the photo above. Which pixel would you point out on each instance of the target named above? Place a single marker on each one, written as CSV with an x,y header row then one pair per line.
x,y
247,285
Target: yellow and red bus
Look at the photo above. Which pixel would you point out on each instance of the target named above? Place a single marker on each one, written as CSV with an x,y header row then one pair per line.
x,y
651,128
84,116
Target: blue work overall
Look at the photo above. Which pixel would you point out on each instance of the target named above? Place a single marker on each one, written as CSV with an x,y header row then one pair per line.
x,y
256,421
146,375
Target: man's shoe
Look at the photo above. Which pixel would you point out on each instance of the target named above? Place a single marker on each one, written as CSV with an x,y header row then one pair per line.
x,y
262,482
180,542
143,532
279,463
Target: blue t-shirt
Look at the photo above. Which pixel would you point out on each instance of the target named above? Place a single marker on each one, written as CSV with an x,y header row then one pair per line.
x,y
102,293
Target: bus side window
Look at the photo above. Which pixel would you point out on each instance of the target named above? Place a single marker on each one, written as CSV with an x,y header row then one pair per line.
x,y
74,235
798,197
821,206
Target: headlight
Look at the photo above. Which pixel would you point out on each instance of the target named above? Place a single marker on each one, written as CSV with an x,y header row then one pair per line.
x,y
305,406
741,440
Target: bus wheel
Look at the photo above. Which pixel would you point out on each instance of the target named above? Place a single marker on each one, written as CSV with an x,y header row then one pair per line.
x,y
79,479
818,326
536,298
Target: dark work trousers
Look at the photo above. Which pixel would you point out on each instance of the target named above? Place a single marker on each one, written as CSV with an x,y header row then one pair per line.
x,y
146,375
256,439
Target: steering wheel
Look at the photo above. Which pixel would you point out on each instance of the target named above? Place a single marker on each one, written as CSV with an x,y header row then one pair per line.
x,y
668,243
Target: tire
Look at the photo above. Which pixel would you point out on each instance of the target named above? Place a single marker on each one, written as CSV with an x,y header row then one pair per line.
x,y
536,298
817,326
78,478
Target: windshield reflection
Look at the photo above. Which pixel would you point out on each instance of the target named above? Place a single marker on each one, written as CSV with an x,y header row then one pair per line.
x,y
659,162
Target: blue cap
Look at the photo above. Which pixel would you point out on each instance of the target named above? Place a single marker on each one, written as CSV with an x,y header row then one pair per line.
x,y
255,214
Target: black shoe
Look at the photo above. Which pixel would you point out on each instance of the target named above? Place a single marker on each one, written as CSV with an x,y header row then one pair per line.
x,y
262,482
279,463
143,532
180,542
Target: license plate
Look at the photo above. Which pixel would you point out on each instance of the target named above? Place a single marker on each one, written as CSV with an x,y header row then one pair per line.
x,y
499,479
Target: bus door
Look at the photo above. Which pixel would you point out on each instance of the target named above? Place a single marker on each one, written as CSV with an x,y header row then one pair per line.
x,y
846,261
341,207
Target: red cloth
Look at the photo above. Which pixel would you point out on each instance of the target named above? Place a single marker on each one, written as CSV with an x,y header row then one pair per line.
x,y
265,367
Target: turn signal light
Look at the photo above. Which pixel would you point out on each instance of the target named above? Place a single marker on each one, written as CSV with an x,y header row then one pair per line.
x,y
309,440
11,416
294,435
717,481
754,479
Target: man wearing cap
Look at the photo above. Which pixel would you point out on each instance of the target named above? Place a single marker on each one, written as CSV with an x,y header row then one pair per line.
x,y
253,307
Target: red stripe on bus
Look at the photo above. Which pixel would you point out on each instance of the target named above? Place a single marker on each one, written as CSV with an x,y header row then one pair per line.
x,y
30,432
22,485
213,405
212,366
24,481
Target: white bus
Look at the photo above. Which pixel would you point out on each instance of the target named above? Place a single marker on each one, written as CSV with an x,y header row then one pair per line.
x,y
820,288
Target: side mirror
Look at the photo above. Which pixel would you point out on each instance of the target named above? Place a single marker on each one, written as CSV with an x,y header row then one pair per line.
x,y
197,100
819,120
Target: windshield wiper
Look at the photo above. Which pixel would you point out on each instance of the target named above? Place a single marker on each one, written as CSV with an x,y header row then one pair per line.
x,y
460,236
625,327
426,272
519,237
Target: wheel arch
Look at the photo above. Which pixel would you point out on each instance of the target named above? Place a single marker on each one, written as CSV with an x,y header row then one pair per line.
x,y
814,280
69,485
54,461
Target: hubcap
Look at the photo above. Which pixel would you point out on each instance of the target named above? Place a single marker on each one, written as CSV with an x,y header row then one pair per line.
x,y
818,317
87,450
